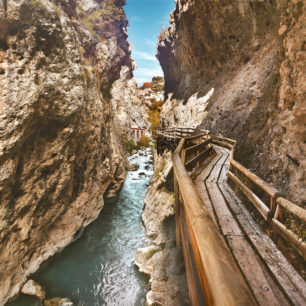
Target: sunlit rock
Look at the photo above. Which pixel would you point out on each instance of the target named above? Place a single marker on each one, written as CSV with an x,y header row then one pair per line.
x,y
32,288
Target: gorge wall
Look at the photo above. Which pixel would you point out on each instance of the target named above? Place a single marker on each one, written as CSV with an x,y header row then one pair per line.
x,y
59,149
237,68
128,104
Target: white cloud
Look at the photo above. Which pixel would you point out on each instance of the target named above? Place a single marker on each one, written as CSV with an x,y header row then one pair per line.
x,y
147,72
140,80
144,56
136,19
150,43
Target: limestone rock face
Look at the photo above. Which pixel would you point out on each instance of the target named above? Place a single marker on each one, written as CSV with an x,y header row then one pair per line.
x,y
128,104
59,151
163,261
251,54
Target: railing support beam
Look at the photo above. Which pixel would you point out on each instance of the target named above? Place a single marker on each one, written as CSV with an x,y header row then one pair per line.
x,y
177,210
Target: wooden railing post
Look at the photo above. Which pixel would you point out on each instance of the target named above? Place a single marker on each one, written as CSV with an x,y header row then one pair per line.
x,y
177,210
183,156
198,152
272,204
208,136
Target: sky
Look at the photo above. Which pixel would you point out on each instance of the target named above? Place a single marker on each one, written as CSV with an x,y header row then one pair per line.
x,y
146,18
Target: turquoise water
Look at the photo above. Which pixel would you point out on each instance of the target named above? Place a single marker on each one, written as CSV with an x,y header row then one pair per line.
x,y
99,269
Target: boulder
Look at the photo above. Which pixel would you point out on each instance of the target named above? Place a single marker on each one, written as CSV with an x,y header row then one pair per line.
x,y
58,301
133,167
32,288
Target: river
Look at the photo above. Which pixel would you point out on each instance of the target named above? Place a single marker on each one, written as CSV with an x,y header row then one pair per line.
x,y
98,269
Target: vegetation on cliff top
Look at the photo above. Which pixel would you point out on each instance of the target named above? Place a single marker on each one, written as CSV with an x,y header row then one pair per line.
x,y
99,21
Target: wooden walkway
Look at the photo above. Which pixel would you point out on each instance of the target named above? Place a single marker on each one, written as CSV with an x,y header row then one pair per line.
x,y
270,277
229,259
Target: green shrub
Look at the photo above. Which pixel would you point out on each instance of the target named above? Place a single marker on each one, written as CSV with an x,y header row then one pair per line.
x,y
130,145
97,21
144,141
37,3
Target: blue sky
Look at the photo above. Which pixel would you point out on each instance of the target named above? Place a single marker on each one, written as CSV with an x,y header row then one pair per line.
x,y
146,17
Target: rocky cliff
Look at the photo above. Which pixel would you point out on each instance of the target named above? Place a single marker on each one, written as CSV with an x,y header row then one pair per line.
x,y
59,152
238,69
128,104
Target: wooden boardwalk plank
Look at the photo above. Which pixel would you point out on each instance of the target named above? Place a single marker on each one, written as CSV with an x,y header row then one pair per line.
x,y
200,185
262,285
213,188
287,277
226,220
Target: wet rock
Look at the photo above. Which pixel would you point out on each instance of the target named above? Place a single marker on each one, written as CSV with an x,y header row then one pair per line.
x,y
147,167
133,167
142,259
142,174
32,288
57,301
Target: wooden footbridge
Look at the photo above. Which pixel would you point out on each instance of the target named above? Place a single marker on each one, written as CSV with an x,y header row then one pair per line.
x,y
229,258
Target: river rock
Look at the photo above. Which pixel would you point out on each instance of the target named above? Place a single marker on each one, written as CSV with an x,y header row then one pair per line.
x,y
57,301
142,259
133,167
32,288
147,167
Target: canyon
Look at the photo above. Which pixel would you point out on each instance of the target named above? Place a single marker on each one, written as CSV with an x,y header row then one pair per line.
x,y
68,99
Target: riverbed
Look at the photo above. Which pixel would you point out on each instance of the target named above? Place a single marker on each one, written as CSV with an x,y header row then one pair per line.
x,y
98,269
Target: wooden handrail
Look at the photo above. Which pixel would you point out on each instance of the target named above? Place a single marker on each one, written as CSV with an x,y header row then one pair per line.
x,y
216,266
294,209
257,180
220,271
198,146
286,233
276,202
225,139
260,205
